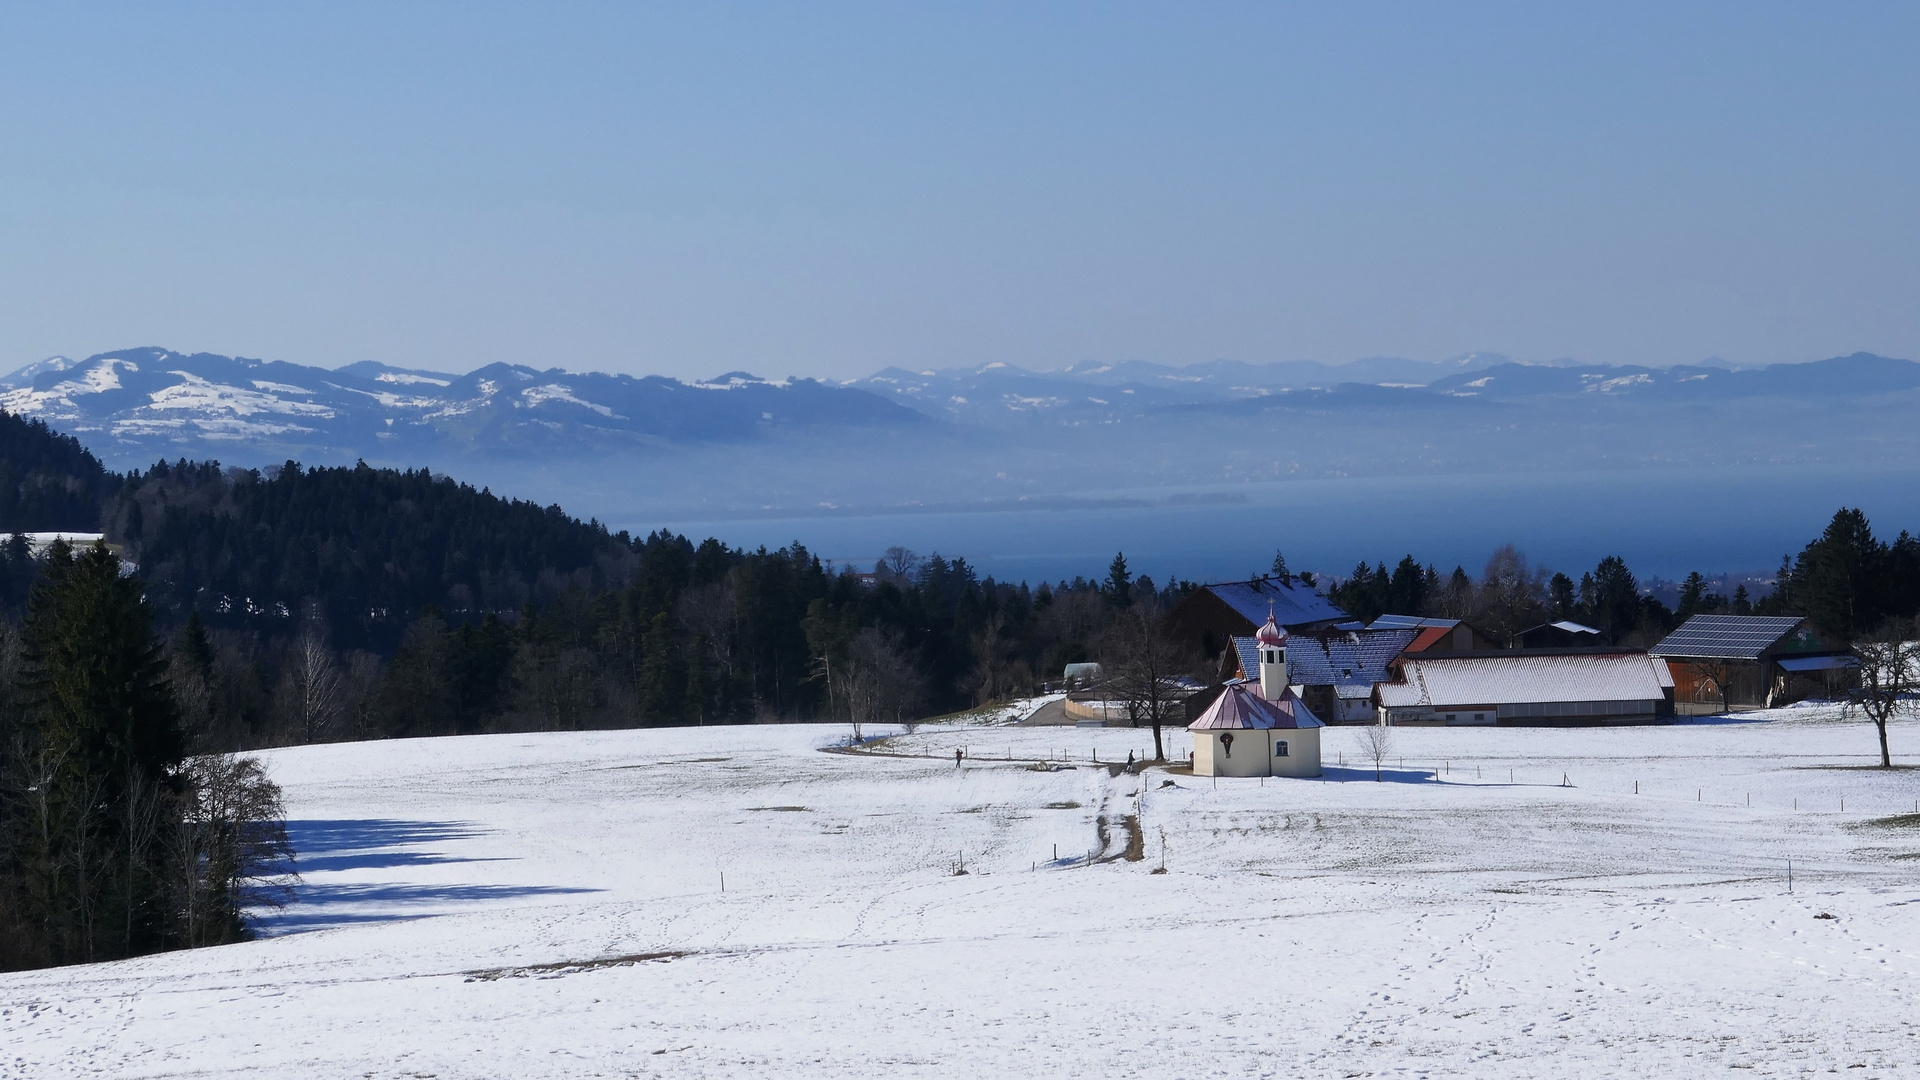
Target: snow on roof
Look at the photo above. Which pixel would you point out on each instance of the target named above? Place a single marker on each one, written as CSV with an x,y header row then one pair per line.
x,y
1353,658
1248,649
1292,604
1572,627
1523,678
1728,637
1239,708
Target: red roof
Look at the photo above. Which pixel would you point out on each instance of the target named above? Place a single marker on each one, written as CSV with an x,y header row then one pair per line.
x,y
1428,638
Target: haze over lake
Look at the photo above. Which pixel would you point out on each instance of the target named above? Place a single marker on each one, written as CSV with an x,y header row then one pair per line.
x,y
1663,522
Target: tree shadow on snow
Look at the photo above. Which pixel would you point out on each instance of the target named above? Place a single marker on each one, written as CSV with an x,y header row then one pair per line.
x,y
1338,774
319,907
322,845
370,844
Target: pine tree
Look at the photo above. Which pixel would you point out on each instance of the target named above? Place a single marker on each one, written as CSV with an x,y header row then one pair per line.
x,y
105,746
1119,585
1560,595
1693,595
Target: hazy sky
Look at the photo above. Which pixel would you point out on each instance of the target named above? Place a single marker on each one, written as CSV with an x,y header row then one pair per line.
x,y
827,190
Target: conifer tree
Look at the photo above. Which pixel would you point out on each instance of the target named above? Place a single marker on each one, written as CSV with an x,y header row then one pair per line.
x,y
103,743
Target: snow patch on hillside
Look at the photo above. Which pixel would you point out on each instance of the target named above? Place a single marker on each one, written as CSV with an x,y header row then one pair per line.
x,y
537,395
195,394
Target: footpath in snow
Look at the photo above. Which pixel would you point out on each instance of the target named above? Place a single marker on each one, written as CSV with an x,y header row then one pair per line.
x,y
767,901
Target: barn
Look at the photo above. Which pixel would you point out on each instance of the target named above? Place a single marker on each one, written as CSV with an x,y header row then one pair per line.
x,y
1723,662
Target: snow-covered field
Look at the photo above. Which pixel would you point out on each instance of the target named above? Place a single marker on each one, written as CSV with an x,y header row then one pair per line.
x,y
551,905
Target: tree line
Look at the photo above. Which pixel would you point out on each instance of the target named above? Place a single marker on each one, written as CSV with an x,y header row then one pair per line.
x,y
116,839
1848,581
306,604
311,604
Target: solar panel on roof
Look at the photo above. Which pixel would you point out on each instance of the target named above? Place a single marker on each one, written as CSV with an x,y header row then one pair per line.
x,y
1731,637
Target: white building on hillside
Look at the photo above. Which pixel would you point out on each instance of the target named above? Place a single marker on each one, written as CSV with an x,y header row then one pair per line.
x,y
1259,731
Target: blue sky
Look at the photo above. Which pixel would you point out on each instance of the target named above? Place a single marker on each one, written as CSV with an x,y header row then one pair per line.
x,y
830,189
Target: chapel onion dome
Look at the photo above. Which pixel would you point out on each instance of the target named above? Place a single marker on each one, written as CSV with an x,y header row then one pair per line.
x,y
1271,634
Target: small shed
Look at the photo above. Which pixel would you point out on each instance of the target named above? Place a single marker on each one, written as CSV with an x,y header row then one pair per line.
x,y
1244,734
1080,676
1564,634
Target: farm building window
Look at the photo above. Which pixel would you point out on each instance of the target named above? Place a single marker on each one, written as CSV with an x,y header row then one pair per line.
x,y
1479,718
1280,748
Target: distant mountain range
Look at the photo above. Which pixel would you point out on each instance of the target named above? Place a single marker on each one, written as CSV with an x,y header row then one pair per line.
x,y
152,402
631,448
999,394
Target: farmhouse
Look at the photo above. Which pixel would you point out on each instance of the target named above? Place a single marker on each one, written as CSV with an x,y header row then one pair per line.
x,y
1335,671
1723,662
1511,688
1258,729
1211,616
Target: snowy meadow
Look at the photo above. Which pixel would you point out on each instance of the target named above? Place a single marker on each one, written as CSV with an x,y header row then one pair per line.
x,y
767,901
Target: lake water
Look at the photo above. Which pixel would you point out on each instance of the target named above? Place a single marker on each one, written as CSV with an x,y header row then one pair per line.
x,y
1664,523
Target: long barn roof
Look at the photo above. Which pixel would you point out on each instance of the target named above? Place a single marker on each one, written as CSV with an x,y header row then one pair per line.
x,y
1526,678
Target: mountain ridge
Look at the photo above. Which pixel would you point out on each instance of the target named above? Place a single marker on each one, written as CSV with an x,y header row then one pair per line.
x,y
632,448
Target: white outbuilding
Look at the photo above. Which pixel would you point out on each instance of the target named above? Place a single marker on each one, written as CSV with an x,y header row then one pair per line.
x,y
1259,731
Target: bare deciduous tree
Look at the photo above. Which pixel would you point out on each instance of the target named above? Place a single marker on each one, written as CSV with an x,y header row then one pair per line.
x,y
1142,664
1376,744
1512,594
315,688
232,850
1889,680
992,668
898,564
876,681
1721,672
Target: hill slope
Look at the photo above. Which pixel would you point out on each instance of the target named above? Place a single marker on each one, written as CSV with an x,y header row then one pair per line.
x,y
550,905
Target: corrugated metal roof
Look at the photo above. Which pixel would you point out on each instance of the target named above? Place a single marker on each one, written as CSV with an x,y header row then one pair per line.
x,y
1443,681
1727,637
1240,708
1291,604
